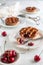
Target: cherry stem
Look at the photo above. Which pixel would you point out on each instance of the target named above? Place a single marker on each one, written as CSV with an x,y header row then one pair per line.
x,y
4,45
40,52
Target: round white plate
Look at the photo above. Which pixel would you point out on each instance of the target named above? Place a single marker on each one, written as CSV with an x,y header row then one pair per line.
x,y
2,23
18,56
37,42
25,12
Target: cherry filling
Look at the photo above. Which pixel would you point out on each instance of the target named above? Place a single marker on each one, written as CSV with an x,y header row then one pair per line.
x,y
9,56
26,35
21,41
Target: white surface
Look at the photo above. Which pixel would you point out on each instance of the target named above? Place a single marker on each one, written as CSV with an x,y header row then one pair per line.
x,y
27,58
2,40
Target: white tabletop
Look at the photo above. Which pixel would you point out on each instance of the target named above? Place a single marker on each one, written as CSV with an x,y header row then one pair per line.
x,y
26,58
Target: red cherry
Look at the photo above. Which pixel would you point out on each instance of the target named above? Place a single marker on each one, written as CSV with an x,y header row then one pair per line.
x,y
13,53
36,58
30,44
4,34
7,51
11,59
10,53
4,60
4,55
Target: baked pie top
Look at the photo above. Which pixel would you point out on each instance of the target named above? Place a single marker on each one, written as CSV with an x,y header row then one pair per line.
x,y
28,32
31,9
11,21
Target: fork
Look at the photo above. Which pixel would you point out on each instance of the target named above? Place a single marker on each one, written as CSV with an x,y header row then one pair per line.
x,y
33,39
35,19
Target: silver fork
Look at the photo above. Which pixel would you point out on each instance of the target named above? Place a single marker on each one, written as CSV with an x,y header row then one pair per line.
x,y
35,19
33,39
2,20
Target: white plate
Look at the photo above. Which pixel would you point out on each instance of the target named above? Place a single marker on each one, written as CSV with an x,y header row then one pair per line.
x,y
2,23
18,56
37,42
24,11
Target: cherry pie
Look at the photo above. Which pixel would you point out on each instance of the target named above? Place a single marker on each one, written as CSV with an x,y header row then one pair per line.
x,y
11,21
28,32
31,9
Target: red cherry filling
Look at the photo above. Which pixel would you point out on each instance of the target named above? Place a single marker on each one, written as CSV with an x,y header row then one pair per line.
x,y
9,56
36,58
26,35
21,41
30,44
4,34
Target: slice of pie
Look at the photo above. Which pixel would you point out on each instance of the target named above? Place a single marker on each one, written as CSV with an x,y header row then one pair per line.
x,y
30,32
10,21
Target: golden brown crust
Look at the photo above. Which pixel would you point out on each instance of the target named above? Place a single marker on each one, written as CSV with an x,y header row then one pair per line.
x,y
31,9
20,40
11,21
28,32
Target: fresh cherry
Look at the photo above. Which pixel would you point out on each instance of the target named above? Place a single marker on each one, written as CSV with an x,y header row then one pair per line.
x,y
4,55
37,58
7,52
30,44
10,53
11,59
4,59
14,53
4,34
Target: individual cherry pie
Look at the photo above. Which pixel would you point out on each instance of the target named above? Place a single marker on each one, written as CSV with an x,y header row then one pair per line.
x,y
31,9
11,21
9,56
29,32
